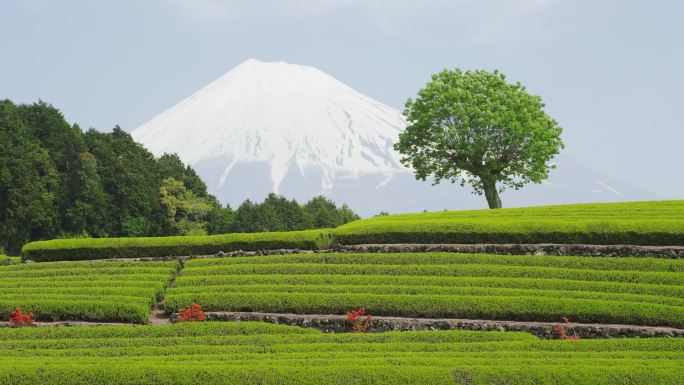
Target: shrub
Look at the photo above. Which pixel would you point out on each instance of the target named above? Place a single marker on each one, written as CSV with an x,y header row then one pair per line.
x,y
562,332
435,285
209,353
359,324
115,291
103,248
19,319
194,313
641,223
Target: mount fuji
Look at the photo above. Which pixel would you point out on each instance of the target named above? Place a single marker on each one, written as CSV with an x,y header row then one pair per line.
x,y
297,131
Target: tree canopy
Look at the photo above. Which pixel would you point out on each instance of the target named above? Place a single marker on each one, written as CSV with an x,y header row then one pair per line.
x,y
474,127
57,181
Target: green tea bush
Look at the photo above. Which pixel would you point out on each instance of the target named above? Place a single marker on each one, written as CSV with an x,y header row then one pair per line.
x,y
638,223
641,291
103,248
109,291
253,353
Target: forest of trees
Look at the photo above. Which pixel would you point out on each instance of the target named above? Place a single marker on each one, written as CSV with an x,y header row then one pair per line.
x,y
58,181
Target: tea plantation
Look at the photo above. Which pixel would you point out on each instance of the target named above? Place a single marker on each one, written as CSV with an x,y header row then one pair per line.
x,y
636,223
67,282
84,291
254,353
441,285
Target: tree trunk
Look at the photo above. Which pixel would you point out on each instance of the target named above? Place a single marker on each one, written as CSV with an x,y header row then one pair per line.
x,y
492,195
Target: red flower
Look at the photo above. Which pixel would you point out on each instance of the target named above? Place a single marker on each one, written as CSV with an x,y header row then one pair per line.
x,y
19,319
560,330
359,325
192,314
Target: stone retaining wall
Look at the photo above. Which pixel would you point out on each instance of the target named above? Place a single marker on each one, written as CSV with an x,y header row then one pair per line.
x,y
338,323
673,252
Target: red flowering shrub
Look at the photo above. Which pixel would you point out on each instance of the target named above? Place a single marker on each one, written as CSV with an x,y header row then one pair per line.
x,y
562,333
194,313
359,325
19,319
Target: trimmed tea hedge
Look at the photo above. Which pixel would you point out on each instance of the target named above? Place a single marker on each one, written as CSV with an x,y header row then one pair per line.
x,y
112,291
637,223
253,353
640,291
8,260
102,248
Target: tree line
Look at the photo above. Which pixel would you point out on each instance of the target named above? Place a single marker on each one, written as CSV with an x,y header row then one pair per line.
x,y
58,181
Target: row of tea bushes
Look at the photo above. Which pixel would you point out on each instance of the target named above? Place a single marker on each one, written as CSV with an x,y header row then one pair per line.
x,y
435,285
249,353
103,248
636,223
112,291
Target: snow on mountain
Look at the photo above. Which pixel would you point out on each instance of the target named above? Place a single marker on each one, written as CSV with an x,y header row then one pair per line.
x,y
293,129
285,115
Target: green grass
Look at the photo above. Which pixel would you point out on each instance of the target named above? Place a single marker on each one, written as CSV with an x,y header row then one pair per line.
x,y
640,291
103,248
641,223
253,353
113,291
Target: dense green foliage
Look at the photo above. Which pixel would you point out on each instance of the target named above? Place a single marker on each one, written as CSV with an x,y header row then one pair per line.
x,y
276,213
58,182
639,291
86,291
473,127
252,353
103,248
8,260
636,223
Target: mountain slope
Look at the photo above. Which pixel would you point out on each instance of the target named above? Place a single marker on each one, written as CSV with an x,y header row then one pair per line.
x,y
295,130
286,116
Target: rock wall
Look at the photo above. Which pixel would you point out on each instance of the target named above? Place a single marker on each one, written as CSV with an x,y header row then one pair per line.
x,y
673,252
546,330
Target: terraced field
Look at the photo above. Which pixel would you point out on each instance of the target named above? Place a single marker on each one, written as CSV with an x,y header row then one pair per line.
x,y
640,291
636,223
605,290
252,353
87,291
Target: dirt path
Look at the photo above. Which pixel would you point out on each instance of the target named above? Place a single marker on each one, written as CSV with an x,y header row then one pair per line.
x,y
158,314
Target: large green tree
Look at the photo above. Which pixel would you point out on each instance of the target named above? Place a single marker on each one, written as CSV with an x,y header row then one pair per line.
x,y
474,127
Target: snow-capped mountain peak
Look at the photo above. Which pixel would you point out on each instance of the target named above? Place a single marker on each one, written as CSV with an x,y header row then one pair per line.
x,y
286,116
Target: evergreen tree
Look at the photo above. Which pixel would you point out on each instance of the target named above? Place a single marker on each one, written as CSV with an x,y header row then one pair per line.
x,y
87,213
28,183
220,220
131,180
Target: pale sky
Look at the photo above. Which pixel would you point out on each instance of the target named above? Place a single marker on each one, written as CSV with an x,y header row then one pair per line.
x,y
611,72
